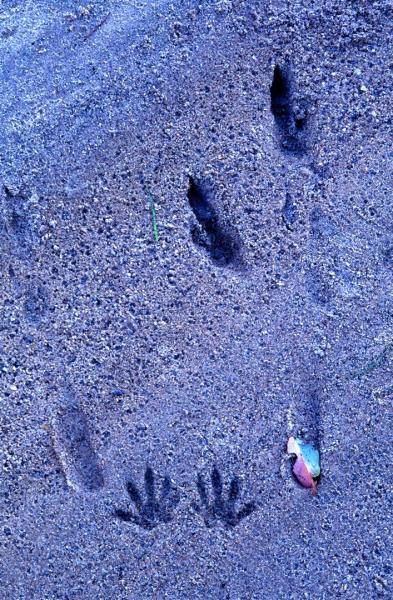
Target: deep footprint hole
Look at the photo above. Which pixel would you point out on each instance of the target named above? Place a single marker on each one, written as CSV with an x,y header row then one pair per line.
x,y
280,92
290,122
222,247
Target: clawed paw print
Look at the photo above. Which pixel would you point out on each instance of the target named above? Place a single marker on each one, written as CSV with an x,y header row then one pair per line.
x,y
222,507
151,511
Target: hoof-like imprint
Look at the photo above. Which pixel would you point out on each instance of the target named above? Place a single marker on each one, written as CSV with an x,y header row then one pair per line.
x,y
290,119
222,245
222,507
150,511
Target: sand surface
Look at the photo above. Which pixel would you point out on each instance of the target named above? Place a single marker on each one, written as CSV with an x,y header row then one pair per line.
x,y
196,258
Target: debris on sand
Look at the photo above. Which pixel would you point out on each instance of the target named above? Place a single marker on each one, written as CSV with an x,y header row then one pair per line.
x,y
97,27
307,466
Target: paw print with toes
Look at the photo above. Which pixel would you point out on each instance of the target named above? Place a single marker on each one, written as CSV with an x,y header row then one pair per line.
x,y
222,506
151,510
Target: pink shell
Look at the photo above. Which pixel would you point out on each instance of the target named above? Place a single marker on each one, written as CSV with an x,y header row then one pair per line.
x,y
302,474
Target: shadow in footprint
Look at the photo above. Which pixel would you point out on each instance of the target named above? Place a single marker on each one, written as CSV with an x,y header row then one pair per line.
x,y
209,233
290,120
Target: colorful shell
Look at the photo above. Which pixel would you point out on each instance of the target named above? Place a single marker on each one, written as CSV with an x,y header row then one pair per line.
x,y
307,465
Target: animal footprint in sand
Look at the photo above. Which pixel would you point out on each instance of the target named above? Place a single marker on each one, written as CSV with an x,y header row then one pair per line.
x,y
222,507
152,511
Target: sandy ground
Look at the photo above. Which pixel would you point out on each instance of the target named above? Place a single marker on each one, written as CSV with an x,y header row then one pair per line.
x,y
196,261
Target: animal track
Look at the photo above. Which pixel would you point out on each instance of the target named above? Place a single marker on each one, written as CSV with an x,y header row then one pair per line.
x,y
305,424
321,225
73,447
222,246
18,223
36,303
319,285
289,212
290,119
307,415
313,416
222,508
152,511
388,255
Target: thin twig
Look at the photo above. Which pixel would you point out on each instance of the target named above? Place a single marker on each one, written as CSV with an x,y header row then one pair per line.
x,y
376,362
96,28
154,218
